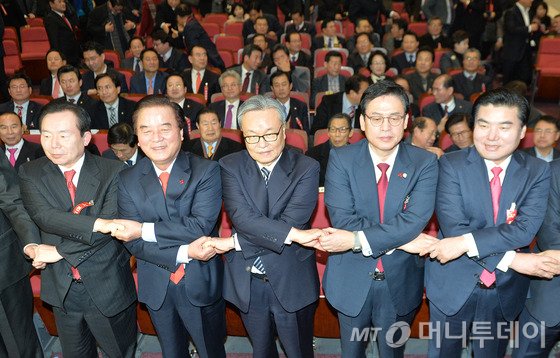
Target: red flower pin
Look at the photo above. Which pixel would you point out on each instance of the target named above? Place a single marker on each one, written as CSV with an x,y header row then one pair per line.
x,y
402,175
181,182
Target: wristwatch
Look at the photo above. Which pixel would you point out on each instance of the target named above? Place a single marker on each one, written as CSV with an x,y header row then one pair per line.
x,y
357,244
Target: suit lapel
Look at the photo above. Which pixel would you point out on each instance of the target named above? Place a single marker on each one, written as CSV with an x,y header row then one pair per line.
x,y
88,182
179,178
54,182
398,182
516,176
364,171
152,188
475,176
254,183
280,178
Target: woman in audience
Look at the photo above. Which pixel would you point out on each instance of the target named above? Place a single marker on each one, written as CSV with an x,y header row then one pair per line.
x,y
237,13
454,59
378,65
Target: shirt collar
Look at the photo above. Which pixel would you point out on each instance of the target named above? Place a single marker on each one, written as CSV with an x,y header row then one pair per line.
x,y
167,170
376,160
77,167
271,166
504,165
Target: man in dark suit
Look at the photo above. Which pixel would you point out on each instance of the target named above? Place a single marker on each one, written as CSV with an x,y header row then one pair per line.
x,y
70,80
359,58
230,82
540,316
166,221
17,149
297,56
422,79
519,43
296,110
211,144
94,58
150,80
301,76
251,78
19,88
460,129
372,10
342,102
134,63
169,57
123,144
478,274
340,131
329,38
299,25
255,11
379,200
545,135
60,30
50,85
270,193
112,24
176,91
435,37
199,79
407,58
111,108
17,334
332,81
71,196
445,103
165,15
470,81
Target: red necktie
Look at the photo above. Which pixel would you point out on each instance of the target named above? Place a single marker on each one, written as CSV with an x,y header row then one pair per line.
x,y
19,111
198,81
382,185
67,22
69,175
488,278
12,158
176,276
56,88
246,81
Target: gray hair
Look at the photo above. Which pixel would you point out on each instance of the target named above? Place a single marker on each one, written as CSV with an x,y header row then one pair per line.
x,y
230,73
261,103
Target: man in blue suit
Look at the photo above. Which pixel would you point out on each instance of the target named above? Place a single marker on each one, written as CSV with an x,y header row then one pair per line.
x,y
150,80
270,192
490,202
380,196
165,221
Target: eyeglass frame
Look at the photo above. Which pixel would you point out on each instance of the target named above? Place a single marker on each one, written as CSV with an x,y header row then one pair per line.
x,y
263,137
389,118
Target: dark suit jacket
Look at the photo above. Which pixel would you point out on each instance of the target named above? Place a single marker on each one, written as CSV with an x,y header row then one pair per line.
x,y
516,35
466,87
321,154
191,109
189,211
298,117
372,10
273,25
331,105
103,262
177,61
85,101
258,78
62,38
128,63
319,42
33,112
542,303
164,13
400,62
225,147
138,83
461,174
450,60
304,60
88,80
220,108
306,28
533,152
262,219
109,154
435,112
29,151
96,21
209,77
353,206
100,120
194,34
46,86
321,84
355,61
428,40
415,82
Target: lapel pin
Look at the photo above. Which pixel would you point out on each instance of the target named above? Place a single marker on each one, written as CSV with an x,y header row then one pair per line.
x,y
181,182
402,175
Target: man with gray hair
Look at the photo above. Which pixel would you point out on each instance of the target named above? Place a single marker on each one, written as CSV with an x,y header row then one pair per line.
x,y
230,83
270,192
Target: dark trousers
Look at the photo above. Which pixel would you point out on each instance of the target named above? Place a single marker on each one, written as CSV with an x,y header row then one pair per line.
x,y
18,337
266,317
178,319
534,342
379,320
476,323
81,326
521,70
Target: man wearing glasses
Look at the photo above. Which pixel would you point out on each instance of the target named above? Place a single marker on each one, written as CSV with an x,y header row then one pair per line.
x,y
339,130
270,192
546,134
380,195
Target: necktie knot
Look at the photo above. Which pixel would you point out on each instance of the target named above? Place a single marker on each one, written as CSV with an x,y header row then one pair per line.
x,y
383,167
496,171
266,174
210,151
12,150
69,176
164,179
12,157
71,100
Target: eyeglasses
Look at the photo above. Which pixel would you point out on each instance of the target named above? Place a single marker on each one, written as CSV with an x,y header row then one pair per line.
x,y
271,137
342,130
544,131
459,134
376,120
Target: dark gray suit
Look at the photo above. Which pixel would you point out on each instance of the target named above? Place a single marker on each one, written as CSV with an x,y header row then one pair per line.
x,y
258,78
103,262
436,112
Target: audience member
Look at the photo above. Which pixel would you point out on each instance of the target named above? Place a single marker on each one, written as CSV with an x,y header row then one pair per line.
x,y
435,38
423,135
111,108
297,113
378,64
422,79
150,80
134,63
50,85
329,38
297,56
470,81
251,77
454,58
199,79
70,80
176,91
20,89
371,11
362,26
169,56
393,40
545,136
123,144
226,109
299,24
332,81
17,149
60,25
255,11
407,58
266,59
459,126
360,57
94,58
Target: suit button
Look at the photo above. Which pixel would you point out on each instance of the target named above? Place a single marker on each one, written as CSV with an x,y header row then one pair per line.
x,y
274,240
248,268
